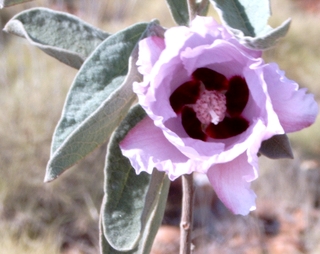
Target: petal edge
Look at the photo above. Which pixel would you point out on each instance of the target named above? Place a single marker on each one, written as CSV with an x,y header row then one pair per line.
x,y
231,183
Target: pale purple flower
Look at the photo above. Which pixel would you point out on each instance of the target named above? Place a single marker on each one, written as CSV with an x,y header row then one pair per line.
x,y
210,103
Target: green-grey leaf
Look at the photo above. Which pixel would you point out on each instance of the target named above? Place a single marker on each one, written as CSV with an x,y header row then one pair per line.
x,y
99,99
6,3
104,245
277,147
154,220
150,230
248,21
248,16
60,35
132,200
179,11
267,40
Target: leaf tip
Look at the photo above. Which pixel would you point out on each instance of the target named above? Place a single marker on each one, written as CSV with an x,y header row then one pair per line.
x,y
12,26
277,147
285,25
49,177
5,29
290,154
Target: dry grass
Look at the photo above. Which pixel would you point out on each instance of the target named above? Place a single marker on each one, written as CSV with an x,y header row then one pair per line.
x,y
25,245
55,217
33,215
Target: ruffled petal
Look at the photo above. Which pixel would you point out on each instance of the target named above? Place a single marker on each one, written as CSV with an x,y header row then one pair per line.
x,y
225,58
259,105
295,108
150,49
147,148
208,28
231,182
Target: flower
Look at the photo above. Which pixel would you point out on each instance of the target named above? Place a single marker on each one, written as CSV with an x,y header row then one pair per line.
x,y
210,103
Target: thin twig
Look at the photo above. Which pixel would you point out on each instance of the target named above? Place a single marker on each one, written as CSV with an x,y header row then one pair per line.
x,y
202,6
192,9
186,216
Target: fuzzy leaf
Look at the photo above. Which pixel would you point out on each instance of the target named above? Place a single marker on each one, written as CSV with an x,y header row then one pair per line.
x,y
6,3
267,40
277,147
150,230
103,244
99,99
60,35
179,11
131,200
248,21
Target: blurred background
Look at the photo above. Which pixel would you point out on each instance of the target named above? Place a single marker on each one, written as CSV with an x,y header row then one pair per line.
x,y
62,216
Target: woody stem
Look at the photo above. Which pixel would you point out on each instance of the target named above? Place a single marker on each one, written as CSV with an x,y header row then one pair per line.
x,y
187,212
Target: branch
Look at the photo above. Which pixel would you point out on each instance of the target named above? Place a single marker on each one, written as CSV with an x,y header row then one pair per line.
x,y
187,212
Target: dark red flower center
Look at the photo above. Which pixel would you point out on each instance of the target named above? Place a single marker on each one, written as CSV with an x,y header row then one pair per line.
x,y
211,105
